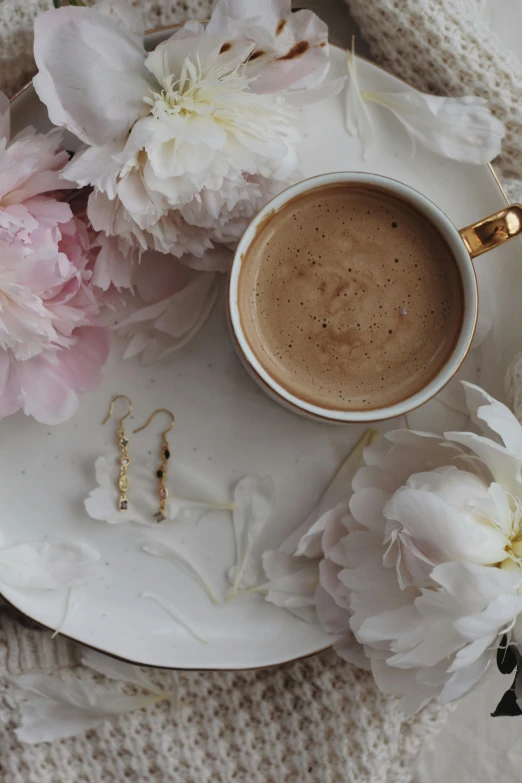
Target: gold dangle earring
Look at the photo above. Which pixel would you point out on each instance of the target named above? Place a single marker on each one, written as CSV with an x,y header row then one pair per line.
x,y
123,481
161,473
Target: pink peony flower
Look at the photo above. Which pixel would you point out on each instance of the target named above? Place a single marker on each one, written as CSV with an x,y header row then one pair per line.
x,y
51,346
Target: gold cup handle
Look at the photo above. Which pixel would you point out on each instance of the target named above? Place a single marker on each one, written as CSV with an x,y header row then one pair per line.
x,y
493,230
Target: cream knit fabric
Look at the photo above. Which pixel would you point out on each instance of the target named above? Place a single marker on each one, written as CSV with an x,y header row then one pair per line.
x,y
314,721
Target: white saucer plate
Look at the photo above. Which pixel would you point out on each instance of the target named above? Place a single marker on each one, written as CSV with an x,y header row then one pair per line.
x,y
226,428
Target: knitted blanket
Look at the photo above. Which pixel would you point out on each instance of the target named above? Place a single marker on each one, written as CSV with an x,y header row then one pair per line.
x,y
313,721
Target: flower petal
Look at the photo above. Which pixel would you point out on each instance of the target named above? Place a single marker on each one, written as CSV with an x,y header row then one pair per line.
x,y
497,418
175,555
462,129
464,679
53,709
124,15
48,565
504,466
500,612
96,166
91,76
441,532
253,503
358,118
117,670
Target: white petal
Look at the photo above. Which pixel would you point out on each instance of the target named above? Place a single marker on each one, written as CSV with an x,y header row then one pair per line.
x,y
464,679
337,492
462,129
500,612
358,119
96,166
124,15
366,506
175,555
311,544
496,508
136,345
305,97
333,619
266,15
441,532
168,607
53,709
48,565
92,76
253,503
292,584
458,488
469,654
113,267
390,625
497,418
505,467
102,502
120,671
475,585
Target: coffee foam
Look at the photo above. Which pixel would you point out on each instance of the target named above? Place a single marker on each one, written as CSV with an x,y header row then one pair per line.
x,y
350,299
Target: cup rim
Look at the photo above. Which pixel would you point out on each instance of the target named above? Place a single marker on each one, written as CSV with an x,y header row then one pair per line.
x,y
448,231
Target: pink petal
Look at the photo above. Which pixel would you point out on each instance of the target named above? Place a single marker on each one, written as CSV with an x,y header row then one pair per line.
x,y
80,367
44,394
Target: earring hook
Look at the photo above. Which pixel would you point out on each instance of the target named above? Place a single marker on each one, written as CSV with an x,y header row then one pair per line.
x,y
111,409
160,410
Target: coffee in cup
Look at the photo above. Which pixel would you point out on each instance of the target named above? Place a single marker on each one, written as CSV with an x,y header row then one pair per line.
x,y
353,298
349,298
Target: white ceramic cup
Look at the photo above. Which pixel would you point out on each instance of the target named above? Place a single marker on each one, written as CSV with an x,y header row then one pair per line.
x,y
464,244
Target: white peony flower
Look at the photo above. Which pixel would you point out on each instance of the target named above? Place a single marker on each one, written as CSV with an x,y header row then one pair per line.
x,y
422,562
433,554
185,144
